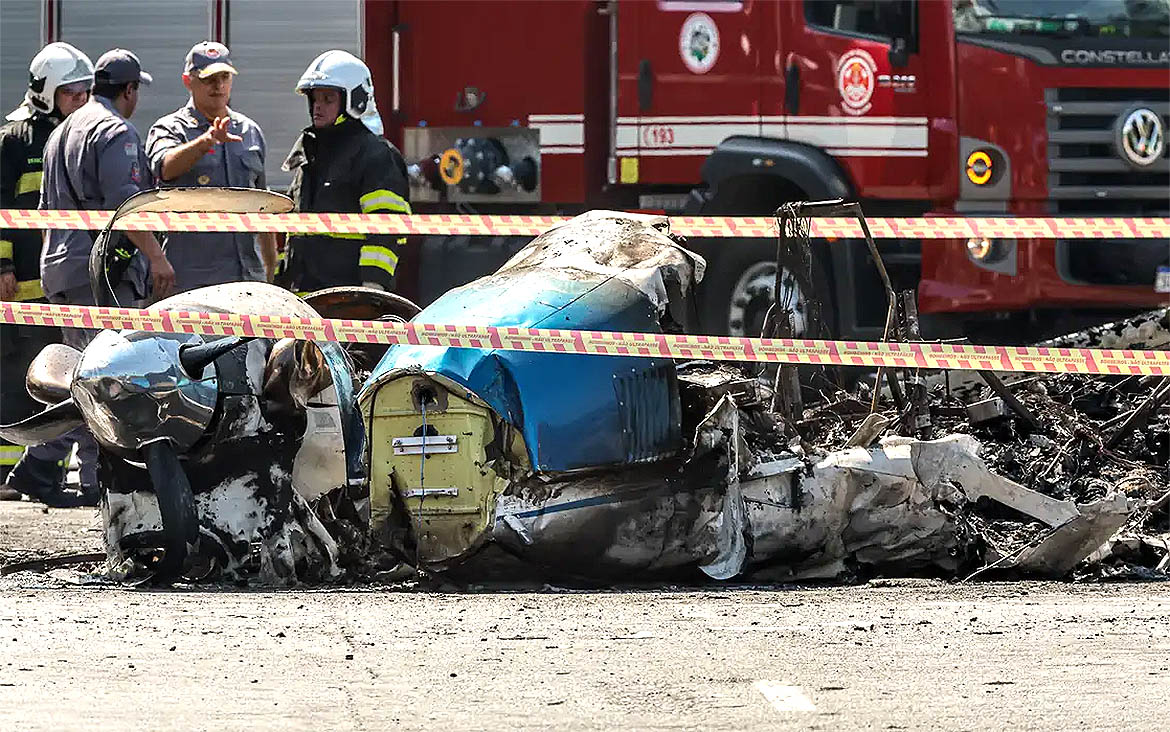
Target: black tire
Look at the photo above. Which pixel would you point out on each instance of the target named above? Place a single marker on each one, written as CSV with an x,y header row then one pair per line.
x,y
731,260
176,506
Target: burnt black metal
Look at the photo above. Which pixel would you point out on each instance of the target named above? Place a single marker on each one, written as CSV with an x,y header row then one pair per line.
x,y
796,210
197,358
1142,414
176,506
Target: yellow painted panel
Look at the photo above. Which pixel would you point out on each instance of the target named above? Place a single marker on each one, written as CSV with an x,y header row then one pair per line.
x,y
629,170
455,514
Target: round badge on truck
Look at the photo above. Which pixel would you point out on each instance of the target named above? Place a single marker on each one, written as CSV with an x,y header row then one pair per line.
x,y
698,42
856,78
1140,137
451,167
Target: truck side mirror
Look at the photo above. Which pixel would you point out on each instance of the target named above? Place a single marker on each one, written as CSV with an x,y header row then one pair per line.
x,y
899,54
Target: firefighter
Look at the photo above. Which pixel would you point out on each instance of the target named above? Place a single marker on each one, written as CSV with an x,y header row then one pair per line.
x,y
341,163
93,160
60,79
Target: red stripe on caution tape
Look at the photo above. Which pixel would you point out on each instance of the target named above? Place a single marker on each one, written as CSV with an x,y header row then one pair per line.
x,y
716,348
692,226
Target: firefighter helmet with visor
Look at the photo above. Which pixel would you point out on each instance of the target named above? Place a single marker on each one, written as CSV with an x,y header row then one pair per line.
x,y
56,65
343,71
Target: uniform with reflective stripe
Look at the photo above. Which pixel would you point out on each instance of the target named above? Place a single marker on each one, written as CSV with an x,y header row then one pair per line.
x,y
29,183
383,258
10,454
384,200
345,168
22,144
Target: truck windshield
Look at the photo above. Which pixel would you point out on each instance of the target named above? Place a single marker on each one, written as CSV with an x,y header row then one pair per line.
x,y
1064,18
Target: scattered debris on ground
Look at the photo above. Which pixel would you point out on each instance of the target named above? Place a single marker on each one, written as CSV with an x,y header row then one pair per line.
x,y
1084,439
471,465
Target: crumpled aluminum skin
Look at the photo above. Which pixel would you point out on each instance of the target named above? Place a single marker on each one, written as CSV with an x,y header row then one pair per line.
x,y
132,389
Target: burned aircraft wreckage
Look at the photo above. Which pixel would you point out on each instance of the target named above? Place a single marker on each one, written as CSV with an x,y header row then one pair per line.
x,y
284,461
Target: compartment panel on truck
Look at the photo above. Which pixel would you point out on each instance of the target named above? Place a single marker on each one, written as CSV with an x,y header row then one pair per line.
x,y
20,39
500,64
159,32
272,44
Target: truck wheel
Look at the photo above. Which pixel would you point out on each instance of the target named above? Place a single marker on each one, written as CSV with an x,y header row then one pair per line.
x,y
739,285
447,262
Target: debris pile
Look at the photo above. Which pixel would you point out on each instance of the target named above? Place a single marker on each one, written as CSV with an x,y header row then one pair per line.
x,y
1086,440
284,462
623,468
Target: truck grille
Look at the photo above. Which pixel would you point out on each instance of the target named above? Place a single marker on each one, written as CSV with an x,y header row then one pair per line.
x,y
1087,176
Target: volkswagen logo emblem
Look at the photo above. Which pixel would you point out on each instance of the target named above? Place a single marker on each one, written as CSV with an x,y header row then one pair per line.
x,y
1140,137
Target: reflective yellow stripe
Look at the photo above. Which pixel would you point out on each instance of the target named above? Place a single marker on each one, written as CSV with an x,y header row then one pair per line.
x,y
10,454
383,258
383,200
5,249
333,235
28,183
29,290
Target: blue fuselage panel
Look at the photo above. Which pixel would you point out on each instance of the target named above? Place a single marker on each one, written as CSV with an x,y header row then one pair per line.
x,y
575,411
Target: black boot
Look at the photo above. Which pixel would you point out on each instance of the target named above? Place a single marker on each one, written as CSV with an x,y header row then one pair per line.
x,y
44,481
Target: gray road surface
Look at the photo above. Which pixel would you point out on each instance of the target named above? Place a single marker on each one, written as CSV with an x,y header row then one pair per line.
x,y
897,655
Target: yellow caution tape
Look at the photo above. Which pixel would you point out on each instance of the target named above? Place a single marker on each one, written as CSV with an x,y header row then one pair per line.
x,y
716,348
691,226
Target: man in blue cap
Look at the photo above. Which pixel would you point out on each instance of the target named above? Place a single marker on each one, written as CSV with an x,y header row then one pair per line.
x,y
206,143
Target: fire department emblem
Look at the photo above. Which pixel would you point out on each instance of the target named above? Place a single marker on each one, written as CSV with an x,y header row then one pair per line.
x,y
1140,137
698,43
856,78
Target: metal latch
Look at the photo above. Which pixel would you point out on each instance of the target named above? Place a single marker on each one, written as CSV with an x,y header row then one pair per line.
x,y
433,444
424,492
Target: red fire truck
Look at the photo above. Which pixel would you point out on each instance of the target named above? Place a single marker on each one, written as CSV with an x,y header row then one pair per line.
x,y
927,107
914,107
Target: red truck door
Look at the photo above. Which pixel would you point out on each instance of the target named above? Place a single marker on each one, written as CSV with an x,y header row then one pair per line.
x,y
861,89
688,79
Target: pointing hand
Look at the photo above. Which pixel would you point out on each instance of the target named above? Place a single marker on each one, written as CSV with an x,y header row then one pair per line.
x,y
219,131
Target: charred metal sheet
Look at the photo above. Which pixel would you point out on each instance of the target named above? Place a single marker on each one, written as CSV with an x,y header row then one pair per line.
x,y
602,271
605,467
233,480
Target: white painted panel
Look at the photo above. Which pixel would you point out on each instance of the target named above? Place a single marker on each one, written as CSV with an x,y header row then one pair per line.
x,y
159,32
272,43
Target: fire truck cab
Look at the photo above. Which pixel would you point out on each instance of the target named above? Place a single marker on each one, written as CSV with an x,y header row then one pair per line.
x,y
913,107
916,108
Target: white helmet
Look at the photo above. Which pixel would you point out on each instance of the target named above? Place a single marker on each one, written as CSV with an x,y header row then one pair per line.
x,y
342,70
57,65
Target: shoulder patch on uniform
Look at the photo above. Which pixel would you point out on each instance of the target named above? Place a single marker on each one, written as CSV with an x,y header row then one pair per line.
x,y
135,173
131,149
